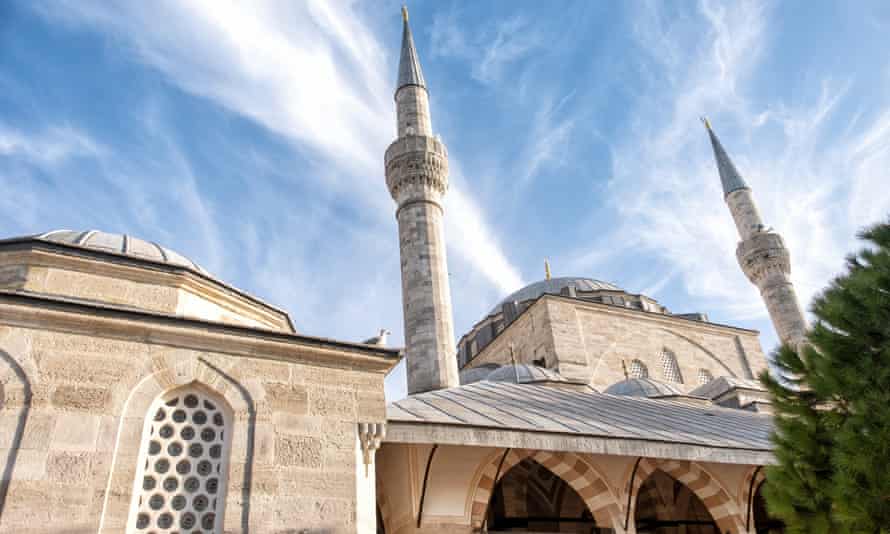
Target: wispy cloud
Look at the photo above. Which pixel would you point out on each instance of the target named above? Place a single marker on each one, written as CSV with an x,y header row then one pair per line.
x,y
314,74
490,50
48,146
815,186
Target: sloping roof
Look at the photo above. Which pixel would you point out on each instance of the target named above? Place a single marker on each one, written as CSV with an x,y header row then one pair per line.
x,y
537,408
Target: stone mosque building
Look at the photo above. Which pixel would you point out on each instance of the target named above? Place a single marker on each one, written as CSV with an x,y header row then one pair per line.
x,y
141,394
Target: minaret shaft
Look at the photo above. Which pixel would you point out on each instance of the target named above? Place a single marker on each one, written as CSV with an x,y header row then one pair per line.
x,y
417,177
762,253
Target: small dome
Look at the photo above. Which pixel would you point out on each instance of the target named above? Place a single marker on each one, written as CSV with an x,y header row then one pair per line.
x,y
475,374
642,387
554,286
121,244
522,373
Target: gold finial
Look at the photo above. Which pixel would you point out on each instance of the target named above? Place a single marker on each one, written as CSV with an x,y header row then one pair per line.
x,y
405,13
706,122
547,269
624,368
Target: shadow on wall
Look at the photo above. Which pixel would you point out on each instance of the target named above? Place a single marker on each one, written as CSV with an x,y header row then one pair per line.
x,y
247,480
24,401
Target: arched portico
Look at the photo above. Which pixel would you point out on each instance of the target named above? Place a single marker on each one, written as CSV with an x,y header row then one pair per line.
x,y
700,482
578,474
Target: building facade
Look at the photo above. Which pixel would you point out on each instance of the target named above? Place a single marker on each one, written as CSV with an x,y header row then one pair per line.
x,y
141,394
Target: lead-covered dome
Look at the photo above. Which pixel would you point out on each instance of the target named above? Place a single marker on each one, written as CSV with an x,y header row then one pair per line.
x,y
122,244
523,373
554,286
642,387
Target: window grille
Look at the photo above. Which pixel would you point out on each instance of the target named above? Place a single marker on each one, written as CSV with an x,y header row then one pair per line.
x,y
638,369
183,465
670,371
704,376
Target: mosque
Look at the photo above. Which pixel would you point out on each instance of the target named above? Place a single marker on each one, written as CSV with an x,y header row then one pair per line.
x,y
141,394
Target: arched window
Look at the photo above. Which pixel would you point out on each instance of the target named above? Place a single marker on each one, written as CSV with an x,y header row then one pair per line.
x,y
638,369
704,376
670,371
183,464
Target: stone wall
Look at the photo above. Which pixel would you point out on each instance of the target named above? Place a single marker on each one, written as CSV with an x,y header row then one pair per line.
x,y
75,403
588,342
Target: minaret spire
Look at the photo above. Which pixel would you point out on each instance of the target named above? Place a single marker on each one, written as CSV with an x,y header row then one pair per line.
x,y
417,178
409,64
761,253
729,176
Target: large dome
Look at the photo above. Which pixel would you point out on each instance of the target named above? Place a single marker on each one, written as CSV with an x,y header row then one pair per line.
x,y
122,244
554,286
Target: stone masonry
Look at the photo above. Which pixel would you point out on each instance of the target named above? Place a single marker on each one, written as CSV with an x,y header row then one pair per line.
x,y
417,178
77,382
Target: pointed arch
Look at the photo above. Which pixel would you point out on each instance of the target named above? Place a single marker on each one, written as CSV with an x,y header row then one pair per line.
x,y
183,464
716,498
170,373
670,368
638,369
574,471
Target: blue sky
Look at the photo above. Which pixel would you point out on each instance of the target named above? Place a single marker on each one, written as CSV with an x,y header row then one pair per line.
x,y
250,137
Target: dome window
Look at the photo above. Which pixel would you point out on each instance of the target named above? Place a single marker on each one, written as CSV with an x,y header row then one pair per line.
x,y
670,371
638,369
704,376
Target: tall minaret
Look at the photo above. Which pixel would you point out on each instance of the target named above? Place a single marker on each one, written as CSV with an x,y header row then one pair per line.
x,y
417,177
761,252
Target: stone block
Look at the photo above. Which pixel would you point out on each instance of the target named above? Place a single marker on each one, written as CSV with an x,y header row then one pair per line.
x,y
68,467
75,433
299,451
330,402
287,398
91,399
29,464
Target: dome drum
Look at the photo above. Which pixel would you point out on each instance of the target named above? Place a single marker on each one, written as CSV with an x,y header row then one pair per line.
x,y
123,271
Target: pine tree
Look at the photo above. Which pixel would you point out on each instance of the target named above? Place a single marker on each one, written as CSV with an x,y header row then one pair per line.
x,y
832,404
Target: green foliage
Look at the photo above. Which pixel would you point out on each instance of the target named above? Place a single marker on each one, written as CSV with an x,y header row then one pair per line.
x,y
832,404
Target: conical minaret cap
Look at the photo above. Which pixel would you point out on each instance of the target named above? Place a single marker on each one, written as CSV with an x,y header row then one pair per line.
x,y
729,175
409,63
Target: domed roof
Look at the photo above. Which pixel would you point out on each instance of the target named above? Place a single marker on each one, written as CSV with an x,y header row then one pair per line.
x,y
522,373
122,244
553,286
475,374
642,387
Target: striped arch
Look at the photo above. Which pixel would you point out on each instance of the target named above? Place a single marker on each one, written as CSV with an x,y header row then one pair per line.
x,y
753,479
712,494
574,471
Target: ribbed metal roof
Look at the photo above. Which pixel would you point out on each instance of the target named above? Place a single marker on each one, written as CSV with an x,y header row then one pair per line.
x,y
553,286
122,244
538,408
409,63
729,175
642,387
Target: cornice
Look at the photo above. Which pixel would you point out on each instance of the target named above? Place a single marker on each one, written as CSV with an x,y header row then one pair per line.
x,y
65,315
39,253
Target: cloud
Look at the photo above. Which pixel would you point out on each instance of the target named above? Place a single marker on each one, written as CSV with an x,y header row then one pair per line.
x,y
815,179
47,147
490,50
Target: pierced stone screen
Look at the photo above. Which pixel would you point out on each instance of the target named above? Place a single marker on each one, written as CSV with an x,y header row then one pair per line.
x,y
180,483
